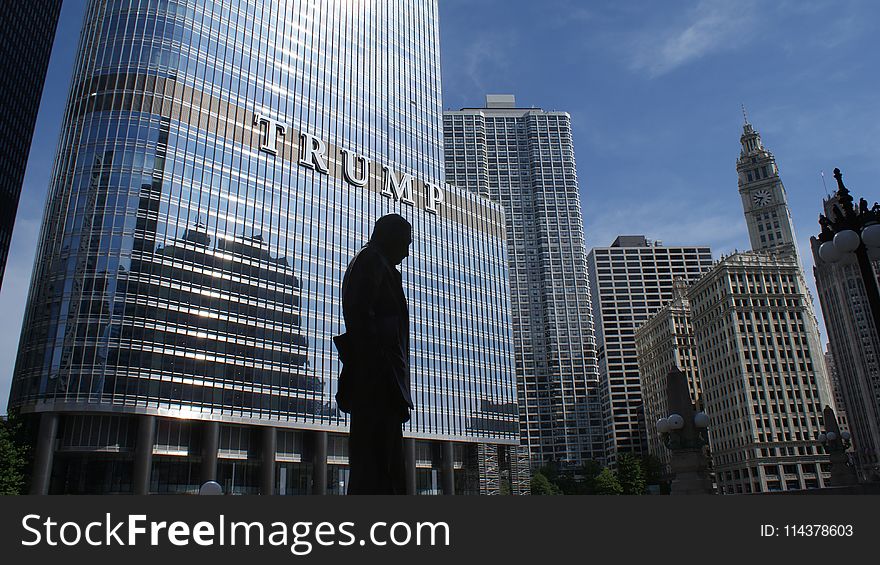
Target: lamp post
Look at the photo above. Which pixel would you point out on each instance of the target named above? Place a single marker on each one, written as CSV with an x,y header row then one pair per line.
x,y
677,434
836,444
851,230
683,432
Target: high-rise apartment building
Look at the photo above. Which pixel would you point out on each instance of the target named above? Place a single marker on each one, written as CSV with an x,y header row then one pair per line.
x,y
853,346
523,159
631,281
27,30
219,165
663,343
763,377
762,368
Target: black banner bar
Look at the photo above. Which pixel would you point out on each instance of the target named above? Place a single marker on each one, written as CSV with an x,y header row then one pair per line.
x,y
229,529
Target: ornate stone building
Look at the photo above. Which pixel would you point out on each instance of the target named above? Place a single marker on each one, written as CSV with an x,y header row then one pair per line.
x,y
664,342
762,366
854,349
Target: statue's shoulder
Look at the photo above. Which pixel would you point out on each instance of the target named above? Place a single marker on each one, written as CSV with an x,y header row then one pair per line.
x,y
367,257
368,263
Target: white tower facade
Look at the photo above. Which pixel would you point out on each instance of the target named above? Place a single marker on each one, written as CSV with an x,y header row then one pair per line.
x,y
762,373
763,195
762,367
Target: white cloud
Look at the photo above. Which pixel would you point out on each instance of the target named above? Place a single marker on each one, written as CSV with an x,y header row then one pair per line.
x,y
488,56
711,26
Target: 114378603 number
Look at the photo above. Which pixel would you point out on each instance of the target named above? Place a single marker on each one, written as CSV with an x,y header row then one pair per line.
x,y
818,530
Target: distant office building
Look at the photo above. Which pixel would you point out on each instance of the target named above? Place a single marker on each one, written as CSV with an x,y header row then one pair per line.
x,y
631,281
836,391
854,348
27,30
523,159
663,343
205,202
762,368
763,376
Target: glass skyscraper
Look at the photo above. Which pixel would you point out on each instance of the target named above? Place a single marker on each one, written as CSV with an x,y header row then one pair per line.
x,y
220,163
27,30
524,160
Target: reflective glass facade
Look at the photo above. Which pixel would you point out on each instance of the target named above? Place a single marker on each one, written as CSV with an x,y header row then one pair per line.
x,y
185,271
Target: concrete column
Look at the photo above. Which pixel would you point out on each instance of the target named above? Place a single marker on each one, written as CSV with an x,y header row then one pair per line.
x,y
210,446
143,454
689,467
267,470
319,463
409,454
448,468
45,453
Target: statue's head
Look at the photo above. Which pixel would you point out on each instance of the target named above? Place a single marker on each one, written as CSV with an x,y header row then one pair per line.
x,y
393,235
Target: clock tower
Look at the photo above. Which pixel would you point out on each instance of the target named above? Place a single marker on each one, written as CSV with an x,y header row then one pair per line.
x,y
763,196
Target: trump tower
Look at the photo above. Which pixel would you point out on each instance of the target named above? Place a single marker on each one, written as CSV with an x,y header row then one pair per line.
x,y
220,162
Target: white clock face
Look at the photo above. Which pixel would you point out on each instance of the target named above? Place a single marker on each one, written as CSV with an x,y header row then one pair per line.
x,y
762,197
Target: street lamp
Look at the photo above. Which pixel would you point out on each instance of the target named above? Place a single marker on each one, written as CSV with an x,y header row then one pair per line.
x,y
850,230
683,432
827,439
836,443
676,434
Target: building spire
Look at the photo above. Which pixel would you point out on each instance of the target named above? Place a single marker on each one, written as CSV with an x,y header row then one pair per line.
x,y
843,195
750,139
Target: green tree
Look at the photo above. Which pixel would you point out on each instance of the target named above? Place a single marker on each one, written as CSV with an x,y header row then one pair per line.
x,y
630,474
563,482
607,483
567,483
653,469
589,472
541,485
655,473
550,470
13,457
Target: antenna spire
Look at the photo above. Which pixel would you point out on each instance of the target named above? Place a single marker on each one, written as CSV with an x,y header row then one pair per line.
x,y
745,115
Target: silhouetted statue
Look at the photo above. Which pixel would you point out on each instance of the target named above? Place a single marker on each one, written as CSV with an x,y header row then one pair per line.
x,y
374,386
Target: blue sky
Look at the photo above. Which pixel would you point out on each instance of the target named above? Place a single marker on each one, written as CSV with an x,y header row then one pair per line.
x,y
654,90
